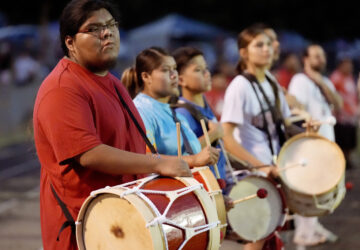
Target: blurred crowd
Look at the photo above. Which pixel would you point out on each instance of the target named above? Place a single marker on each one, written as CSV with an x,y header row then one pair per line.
x,y
24,61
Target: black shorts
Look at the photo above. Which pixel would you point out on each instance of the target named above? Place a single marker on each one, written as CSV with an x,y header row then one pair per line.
x,y
345,136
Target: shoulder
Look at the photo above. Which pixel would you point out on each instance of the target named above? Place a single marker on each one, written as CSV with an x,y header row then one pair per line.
x,y
142,102
328,82
238,85
299,79
146,107
183,111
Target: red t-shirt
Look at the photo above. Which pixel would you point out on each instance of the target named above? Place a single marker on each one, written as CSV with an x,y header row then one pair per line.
x,y
346,87
284,77
76,110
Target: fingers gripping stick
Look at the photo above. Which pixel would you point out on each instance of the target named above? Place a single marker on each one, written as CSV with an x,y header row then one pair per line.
x,y
178,139
206,135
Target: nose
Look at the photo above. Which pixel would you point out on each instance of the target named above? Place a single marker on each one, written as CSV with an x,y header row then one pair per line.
x,y
207,73
106,32
173,74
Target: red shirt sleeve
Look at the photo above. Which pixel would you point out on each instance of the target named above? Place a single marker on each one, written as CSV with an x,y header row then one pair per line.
x,y
67,122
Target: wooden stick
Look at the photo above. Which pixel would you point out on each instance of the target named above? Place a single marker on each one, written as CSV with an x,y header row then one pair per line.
x,y
228,165
178,138
261,194
207,139
294,165
245,199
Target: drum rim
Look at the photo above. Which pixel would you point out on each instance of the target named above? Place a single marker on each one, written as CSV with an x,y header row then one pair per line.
x,y
309,135
116,191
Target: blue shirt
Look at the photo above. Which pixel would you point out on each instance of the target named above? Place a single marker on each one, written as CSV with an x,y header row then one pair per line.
x,y
196,127
161,127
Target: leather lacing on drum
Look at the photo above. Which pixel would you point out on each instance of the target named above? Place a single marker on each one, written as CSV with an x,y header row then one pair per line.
x,y
161,218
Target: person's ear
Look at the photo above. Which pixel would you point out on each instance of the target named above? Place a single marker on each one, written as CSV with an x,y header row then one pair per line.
x,y
243,53
146,77
69,42
182,82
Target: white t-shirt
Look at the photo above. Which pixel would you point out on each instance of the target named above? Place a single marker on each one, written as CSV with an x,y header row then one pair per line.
x,y
242,108
309,95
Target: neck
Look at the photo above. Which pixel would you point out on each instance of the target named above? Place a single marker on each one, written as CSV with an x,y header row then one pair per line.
x,y
93,70
163,99
195,98
157,98
259,73
268,67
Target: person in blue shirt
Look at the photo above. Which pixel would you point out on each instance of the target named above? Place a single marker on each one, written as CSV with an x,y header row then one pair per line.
x,y
151,83
195,80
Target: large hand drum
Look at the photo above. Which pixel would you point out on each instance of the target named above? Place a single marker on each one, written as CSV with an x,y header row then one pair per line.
x,y
150,213
312,170
256,219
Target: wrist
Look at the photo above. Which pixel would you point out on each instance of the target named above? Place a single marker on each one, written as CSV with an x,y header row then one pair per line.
x,y
157,163
190,160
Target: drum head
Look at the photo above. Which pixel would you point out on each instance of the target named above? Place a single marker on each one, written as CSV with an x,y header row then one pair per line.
x,y
255,219
319,164
110,222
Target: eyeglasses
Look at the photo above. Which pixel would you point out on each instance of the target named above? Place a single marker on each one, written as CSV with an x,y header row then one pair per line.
x,y
98,29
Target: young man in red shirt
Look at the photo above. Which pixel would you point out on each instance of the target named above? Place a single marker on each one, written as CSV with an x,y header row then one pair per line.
x,y
85,138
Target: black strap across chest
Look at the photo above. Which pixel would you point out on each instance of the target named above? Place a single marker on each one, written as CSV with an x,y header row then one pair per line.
x,y
276,114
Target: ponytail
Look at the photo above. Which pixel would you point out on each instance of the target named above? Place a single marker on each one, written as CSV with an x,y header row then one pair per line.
x,y
131,83
241,66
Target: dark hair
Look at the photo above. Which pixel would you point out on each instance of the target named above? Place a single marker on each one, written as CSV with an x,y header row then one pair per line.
x,y
184,55
146,61
263,26
244,39
77,12
306,51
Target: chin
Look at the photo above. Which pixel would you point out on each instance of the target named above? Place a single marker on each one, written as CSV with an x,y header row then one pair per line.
x,y
175,92
103,65
108,63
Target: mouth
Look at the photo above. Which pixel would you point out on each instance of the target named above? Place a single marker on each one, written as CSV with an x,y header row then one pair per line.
x,y
108,45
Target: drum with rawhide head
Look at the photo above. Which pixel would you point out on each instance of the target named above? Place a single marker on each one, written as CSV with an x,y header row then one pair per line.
x,y
150,213
312,170
255,219
207,178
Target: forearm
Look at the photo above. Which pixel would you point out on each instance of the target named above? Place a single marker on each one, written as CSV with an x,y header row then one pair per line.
x,y
189,159
233,147
213,136
332,96
110,160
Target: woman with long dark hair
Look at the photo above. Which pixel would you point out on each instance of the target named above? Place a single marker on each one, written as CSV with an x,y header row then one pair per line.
x,y
254,107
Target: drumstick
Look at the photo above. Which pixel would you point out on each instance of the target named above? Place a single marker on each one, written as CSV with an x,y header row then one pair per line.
x,y
302,163
261,193
329,120
227,161
178,133
206,135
